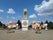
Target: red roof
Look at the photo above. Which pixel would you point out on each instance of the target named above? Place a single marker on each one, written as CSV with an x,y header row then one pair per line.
x,y
13,23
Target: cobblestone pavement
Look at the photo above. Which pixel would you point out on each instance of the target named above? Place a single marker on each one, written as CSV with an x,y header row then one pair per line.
x,y
26,35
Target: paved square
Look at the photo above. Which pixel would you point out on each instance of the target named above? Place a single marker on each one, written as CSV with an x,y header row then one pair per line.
x,y
28,35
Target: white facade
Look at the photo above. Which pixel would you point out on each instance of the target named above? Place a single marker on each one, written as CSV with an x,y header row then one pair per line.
x,y
45,26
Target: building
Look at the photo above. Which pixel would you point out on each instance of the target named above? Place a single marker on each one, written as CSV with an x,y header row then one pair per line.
x,y
35,25
13,25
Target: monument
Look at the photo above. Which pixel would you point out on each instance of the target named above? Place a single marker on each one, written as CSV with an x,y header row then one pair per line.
x,y
25,21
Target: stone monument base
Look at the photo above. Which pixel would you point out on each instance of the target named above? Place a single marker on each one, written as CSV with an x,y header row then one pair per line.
x,y
24,29
24,25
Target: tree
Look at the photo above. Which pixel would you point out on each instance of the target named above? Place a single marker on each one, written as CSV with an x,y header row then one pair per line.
x,y
0,24
30,26
41,23
46,21
4,26
50,25
19,23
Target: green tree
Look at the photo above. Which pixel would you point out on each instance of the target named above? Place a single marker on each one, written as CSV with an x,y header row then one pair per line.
x,y
30,26
41,23
46,21
0,24
50,25
19,23
4,26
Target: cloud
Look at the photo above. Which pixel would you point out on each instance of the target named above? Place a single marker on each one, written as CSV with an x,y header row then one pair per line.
x,y
7,16
10,22
1,10
11,11
19,16
35,21
32,16
13,17
45,8
0,18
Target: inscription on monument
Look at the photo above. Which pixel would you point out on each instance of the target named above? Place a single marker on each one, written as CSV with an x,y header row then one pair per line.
x,y
24,23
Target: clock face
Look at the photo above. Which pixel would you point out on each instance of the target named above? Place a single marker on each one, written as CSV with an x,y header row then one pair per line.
x,y
24,23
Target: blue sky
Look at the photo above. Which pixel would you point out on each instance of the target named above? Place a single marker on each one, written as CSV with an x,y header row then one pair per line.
x,y
38,10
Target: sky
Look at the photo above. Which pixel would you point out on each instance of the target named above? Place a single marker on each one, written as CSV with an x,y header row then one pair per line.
x,y
38,10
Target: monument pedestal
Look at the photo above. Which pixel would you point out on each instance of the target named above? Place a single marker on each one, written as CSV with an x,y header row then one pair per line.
x,y
24,25
24,29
